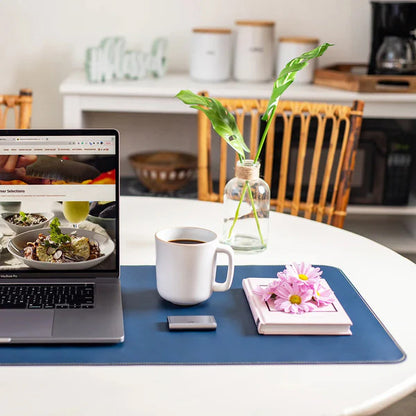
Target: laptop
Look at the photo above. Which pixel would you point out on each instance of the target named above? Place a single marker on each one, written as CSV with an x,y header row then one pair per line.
x,y
59,237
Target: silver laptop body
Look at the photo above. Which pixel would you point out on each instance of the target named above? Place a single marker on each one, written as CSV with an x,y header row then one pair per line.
x,y
59,282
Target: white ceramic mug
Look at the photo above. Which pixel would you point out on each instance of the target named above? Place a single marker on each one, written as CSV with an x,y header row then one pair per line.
x,y
186,264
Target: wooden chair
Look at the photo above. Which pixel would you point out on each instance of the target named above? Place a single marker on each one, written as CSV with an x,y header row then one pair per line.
x,y
22,108
307,160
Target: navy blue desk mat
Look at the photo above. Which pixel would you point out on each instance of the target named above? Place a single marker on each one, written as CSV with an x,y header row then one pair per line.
x,y
236,341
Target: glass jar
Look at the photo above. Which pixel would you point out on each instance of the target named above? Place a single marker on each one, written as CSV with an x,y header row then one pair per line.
x,y
246,209
396,56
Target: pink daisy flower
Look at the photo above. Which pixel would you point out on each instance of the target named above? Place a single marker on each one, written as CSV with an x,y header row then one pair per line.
x,y
294,298
302,273
267,292
283,276
322,294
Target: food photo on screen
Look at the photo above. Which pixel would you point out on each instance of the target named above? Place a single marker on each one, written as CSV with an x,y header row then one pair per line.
x,y
68,235
56,170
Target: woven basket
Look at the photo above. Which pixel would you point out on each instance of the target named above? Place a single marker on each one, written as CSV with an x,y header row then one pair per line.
x,y
164,171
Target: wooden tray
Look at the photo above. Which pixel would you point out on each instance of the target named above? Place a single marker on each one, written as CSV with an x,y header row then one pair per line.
x,y
353,77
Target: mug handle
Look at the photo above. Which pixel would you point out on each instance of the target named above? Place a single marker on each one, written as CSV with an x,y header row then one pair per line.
x,y
222,287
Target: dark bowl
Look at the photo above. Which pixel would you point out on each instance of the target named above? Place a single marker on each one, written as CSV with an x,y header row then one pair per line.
x,y
164,171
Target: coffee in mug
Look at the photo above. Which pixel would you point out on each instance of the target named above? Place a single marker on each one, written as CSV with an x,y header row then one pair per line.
x,y
186,264
185,241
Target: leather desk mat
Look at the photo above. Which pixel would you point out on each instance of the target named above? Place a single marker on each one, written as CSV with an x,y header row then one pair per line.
x,y
148,340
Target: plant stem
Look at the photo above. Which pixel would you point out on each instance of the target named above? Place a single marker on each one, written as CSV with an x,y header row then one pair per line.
x,y
237,211
246,187
263,138
255,214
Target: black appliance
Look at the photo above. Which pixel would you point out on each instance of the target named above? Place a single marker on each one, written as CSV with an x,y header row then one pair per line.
x,y
393,41
383,166
384,161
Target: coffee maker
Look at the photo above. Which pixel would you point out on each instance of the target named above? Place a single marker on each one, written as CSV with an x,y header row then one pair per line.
x,y
393,49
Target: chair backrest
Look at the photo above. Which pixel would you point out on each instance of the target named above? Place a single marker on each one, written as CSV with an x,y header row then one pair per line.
x,y
22,108
307,160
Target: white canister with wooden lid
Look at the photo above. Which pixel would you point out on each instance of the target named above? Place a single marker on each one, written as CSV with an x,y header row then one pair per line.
x,y
254,56
292,47
211,54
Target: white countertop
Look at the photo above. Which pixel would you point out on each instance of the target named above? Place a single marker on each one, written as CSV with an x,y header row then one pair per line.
x,y
167,86
164,89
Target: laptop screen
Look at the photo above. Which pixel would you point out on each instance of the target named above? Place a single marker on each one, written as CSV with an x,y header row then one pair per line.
x,y
59,203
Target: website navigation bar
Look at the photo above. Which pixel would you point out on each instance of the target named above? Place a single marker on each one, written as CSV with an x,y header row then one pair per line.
x,y
15,145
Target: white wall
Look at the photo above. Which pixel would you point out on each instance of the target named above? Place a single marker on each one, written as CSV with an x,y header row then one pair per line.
x,y
43,40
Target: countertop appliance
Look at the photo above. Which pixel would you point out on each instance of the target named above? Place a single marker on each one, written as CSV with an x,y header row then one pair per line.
x,y
383,165
393,49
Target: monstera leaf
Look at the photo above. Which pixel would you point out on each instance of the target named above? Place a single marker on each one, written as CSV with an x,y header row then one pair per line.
x,y
287,76
223,122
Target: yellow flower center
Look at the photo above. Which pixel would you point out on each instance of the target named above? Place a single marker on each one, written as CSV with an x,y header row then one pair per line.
x,y
295,299
303,277
318,293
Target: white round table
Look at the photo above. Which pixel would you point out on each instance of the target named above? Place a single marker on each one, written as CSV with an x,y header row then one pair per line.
x,y
386,280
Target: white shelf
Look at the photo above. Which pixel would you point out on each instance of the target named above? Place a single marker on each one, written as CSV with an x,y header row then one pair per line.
x,y
409,209
158,95
392,233
170,84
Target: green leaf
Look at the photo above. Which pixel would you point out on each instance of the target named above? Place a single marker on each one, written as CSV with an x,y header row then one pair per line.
x,y
223,122
56,234
188,97
287,76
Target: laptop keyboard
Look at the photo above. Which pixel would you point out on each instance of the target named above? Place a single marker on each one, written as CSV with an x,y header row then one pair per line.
x,y
47,296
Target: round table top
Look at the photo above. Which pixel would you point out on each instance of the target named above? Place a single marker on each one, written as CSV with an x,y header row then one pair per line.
x,y
385,279
375,270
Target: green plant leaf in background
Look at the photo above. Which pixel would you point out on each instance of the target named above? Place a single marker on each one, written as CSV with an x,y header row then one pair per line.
x,y
287,76
223,122
284,80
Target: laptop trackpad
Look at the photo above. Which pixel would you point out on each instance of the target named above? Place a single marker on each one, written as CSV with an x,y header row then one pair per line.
x,y
26,323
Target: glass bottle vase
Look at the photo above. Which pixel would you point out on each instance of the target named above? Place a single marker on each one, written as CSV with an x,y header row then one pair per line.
x,y
246,209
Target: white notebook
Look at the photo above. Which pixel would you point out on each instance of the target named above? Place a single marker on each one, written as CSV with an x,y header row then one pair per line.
x,y
326,320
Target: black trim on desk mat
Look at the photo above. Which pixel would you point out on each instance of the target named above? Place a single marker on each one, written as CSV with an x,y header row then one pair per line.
x,y
236,341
